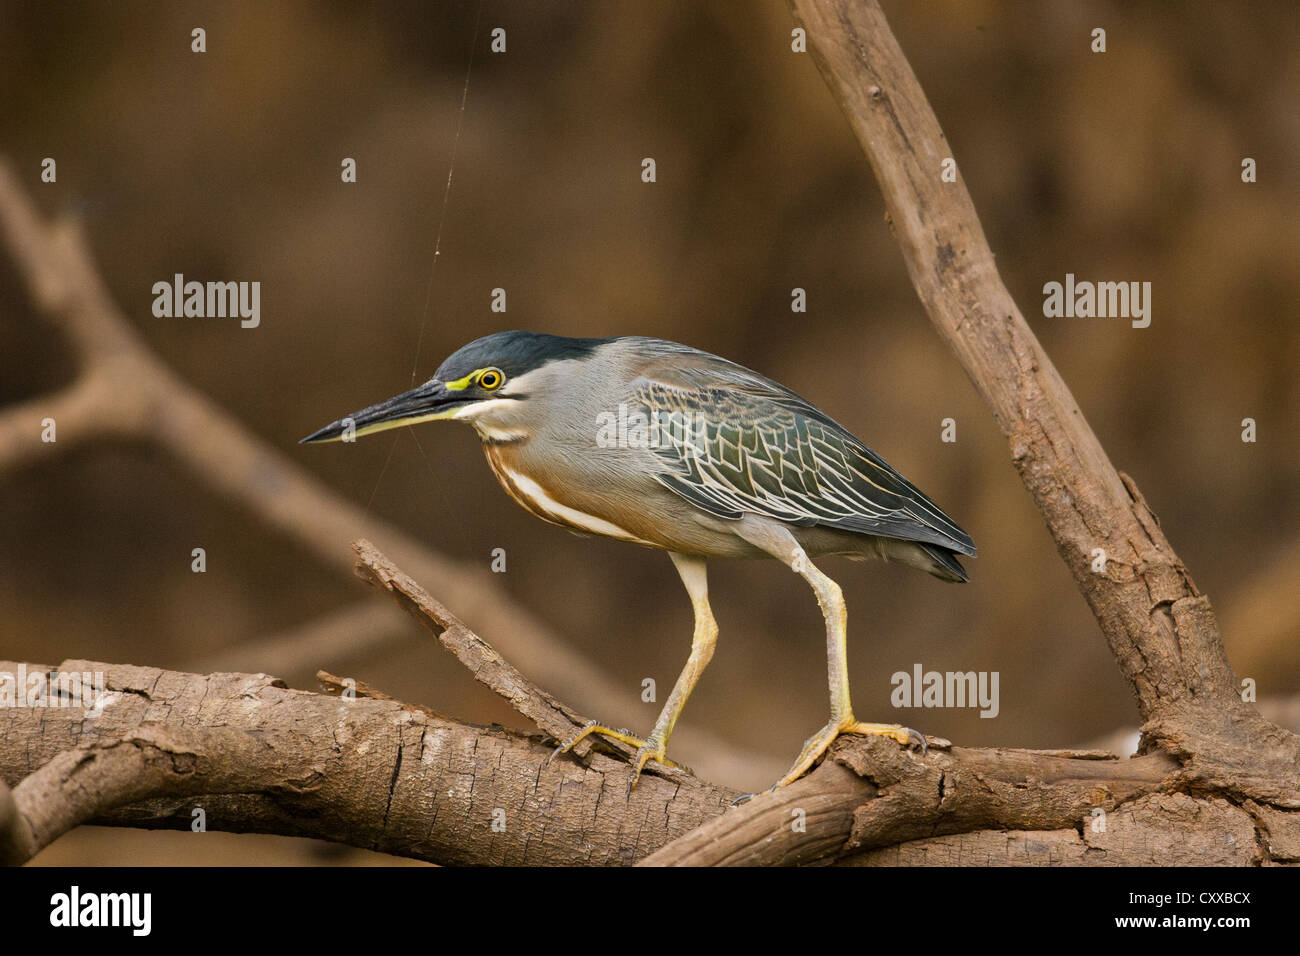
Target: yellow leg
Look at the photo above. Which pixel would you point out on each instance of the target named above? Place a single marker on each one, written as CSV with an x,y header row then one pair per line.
x,y
831,600
776,539
623,736
694,577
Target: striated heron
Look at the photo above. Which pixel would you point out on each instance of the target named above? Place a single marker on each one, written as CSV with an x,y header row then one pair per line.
x,y
669,447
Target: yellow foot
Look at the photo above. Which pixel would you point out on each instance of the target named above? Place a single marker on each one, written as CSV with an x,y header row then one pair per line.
x,y
646,750
817,744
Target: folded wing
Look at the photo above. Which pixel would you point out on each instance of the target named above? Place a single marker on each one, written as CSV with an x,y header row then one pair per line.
x,y
731,441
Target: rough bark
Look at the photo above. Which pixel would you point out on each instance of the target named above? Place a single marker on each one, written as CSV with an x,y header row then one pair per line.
x,y
1216,783
1161,628
259,757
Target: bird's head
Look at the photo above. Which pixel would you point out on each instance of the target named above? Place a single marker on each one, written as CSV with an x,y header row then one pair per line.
x,y
482,382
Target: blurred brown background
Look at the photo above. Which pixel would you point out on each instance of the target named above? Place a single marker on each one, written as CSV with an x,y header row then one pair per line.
x,y
225,166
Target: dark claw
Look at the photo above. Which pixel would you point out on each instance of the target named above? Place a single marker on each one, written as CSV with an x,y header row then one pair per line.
x,y
565,745
743,798
913,737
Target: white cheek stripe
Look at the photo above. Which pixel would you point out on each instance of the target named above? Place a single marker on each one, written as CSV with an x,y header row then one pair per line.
x,y
472,413
492,433
475,409
534,493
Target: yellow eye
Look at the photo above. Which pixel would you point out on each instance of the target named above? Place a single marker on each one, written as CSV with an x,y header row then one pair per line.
x,y
491,379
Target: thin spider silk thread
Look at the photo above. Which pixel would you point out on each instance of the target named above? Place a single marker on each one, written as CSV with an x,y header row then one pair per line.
x,y
437,248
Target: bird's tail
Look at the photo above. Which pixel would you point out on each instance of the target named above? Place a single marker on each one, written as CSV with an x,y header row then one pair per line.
x,y
944,564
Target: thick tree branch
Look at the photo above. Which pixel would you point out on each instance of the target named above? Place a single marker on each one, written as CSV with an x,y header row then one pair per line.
x,y
887,796
1218,784
17,843
1085,502
1161,629
375,772
256,756
372,772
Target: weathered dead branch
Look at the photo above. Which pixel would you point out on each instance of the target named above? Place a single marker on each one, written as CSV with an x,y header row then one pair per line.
x,y
1161,628
1216,783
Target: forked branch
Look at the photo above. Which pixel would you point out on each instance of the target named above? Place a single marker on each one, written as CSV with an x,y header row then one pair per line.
x,y
1217,783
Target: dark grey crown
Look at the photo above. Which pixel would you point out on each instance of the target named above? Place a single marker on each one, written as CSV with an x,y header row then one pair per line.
x,y
514,353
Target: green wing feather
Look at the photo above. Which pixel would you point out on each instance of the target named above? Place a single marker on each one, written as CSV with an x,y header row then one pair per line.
x,y
731,442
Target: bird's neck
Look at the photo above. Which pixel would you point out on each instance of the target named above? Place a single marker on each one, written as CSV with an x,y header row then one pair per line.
x,y
495,435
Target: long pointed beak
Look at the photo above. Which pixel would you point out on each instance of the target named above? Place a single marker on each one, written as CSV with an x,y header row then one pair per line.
x,y
427,403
